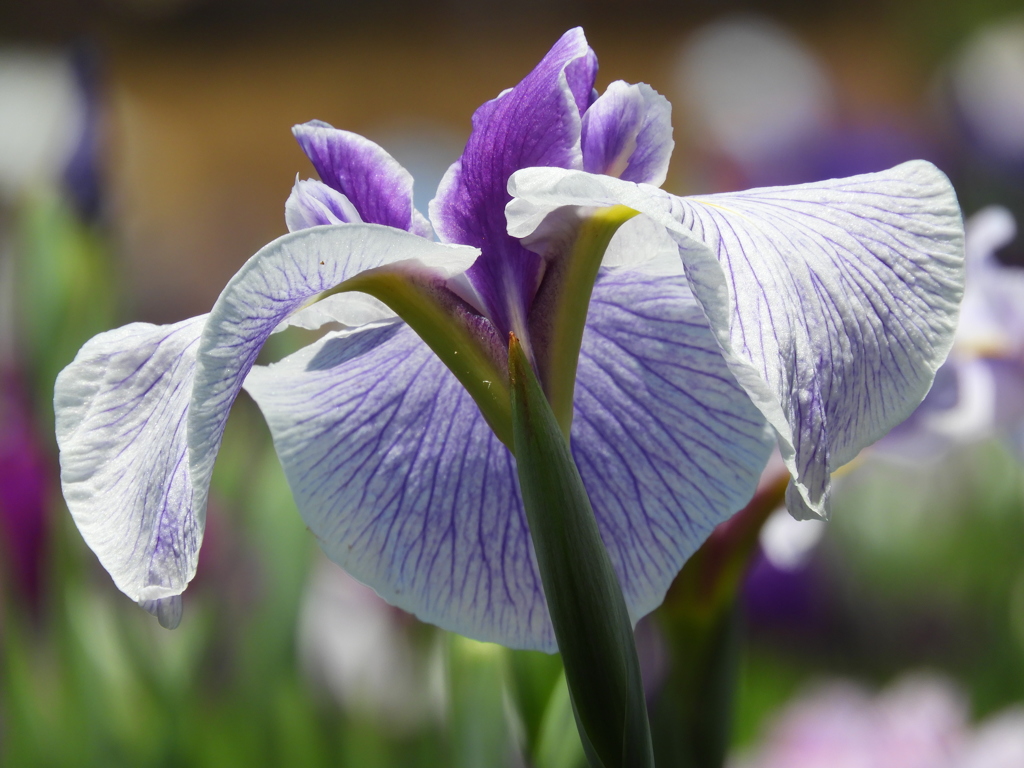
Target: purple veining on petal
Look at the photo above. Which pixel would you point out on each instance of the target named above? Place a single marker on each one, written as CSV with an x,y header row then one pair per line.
x,y
667,443
833,302
627,133
404,485
141,411
312,203
267,289
379,188
536,123
850,339
121,409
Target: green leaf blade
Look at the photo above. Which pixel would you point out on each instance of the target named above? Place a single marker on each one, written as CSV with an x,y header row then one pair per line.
x,y
588,611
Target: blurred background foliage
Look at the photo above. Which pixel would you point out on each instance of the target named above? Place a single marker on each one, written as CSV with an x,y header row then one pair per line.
x,y
145,154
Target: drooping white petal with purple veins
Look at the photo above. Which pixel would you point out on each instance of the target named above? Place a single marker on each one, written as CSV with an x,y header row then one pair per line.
x,y
141,410
641,243
121,410
378,187
627,133
312,204
536,123
404,485
275,282
833,303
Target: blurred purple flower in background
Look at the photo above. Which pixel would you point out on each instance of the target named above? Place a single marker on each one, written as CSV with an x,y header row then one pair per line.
x,y
765,111
919,722
979,391
42,122
24,490
987,80
82,173
756,97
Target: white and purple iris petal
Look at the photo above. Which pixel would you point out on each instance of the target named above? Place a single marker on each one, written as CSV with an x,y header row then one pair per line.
x,y
396,462
404,485
834,303
141,410
398,475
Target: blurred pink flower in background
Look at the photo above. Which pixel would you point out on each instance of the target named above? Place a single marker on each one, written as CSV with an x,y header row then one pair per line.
x,y
919,722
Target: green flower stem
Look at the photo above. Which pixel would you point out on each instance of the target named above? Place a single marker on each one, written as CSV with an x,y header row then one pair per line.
x,y
479,736
589,615
568,311
691,718
448,333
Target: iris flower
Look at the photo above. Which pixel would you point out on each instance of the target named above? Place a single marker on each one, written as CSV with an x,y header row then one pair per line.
x,y
815,315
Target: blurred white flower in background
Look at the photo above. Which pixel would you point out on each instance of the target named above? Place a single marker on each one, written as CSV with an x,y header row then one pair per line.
x,y
42,113
753,90
988,87
375,659
919,722
788,543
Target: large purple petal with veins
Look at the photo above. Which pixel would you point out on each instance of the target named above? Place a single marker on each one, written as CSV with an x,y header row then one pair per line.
x,y
404,485
667,443
378,187
833,303
141,410
627,133
537,123
121,410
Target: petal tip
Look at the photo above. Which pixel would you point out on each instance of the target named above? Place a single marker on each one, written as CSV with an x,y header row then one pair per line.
x,y
167,610
800,509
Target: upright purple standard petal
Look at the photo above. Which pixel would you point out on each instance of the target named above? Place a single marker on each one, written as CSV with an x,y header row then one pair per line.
x,y
834,303
537,123
378,187
627,133
580,74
